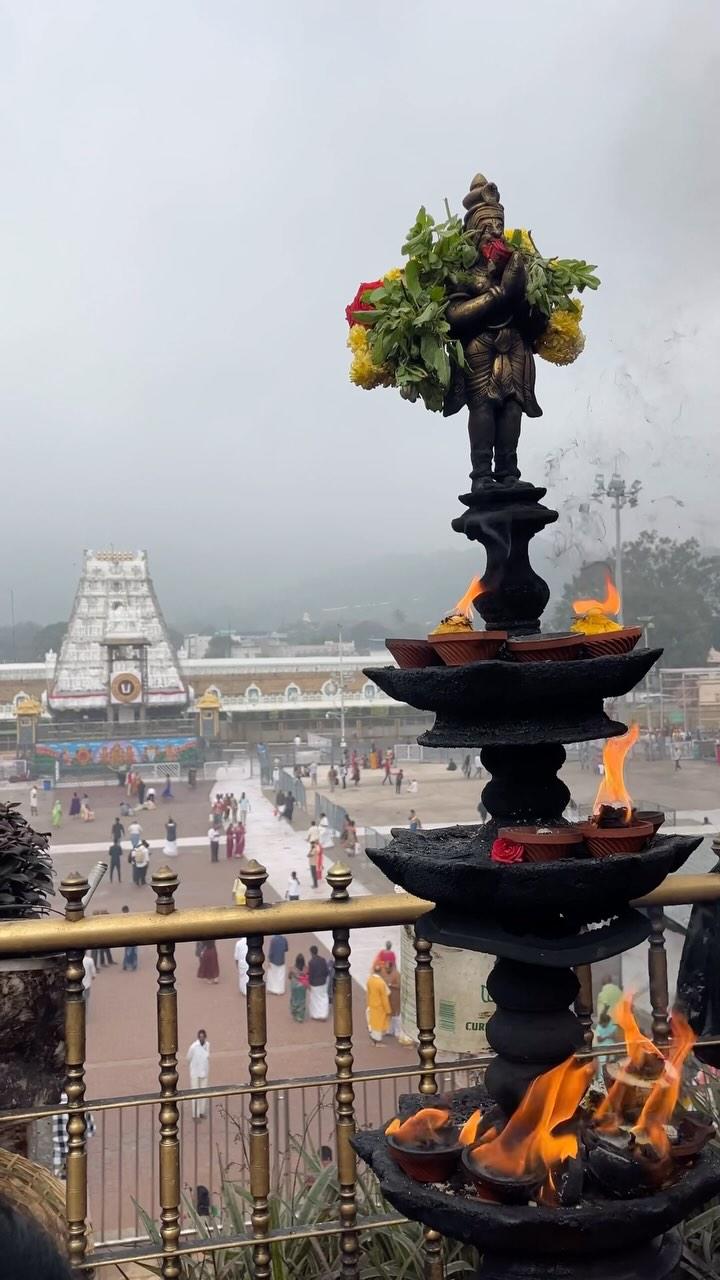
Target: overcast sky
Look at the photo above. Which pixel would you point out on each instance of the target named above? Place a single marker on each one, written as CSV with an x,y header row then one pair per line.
x,y
192,191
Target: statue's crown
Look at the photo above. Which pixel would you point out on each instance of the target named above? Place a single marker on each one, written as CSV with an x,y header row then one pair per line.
x,y
482,202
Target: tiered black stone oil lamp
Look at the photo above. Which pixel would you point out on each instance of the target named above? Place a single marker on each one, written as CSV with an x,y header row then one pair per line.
x,y
546,1183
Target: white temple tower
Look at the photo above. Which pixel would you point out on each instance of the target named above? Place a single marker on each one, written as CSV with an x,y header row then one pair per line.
x,y
117,656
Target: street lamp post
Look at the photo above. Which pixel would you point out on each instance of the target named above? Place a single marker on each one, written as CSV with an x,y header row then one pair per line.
x,y
647,624
620,496
341,673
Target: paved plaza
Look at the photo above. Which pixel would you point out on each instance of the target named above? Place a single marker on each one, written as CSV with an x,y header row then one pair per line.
x,y
445,797
121,1040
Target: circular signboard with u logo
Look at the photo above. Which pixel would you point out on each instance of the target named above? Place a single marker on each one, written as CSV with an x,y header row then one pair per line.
x,y
126,687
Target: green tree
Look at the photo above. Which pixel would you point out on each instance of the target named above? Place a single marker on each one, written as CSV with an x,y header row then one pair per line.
x,y
674,583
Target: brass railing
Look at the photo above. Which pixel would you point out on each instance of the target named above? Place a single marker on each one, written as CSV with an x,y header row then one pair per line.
x,y
167,926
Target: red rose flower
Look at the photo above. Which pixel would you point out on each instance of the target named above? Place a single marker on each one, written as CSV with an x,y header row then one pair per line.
x,y
357,303
506,851
496,251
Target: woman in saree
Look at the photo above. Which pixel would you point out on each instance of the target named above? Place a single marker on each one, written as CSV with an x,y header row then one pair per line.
x,y
239,846
298,978
209,968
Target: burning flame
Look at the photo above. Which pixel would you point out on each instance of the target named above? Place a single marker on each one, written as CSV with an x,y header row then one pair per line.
x,y
469,1131
612,789
465,603
592,615
664,1093
639,1049
611,603
530,1142
422,1129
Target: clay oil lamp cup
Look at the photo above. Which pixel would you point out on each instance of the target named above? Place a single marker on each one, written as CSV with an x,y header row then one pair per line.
x,y
511,1188
508,1188
654,816
691,1133
561,647
414,653
456,642
545,844
608,836
602,635
426,1146
516,1187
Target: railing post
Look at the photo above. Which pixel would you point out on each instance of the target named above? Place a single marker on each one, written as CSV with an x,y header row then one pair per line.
x,y
425,1013
253,876
73,889
584,1003
340,878
433,1244
658,976
164,883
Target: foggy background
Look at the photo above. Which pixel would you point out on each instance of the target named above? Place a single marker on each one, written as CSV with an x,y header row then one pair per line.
x,y
192,193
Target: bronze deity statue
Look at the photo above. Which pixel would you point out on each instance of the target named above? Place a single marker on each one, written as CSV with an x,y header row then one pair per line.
x,y
490,315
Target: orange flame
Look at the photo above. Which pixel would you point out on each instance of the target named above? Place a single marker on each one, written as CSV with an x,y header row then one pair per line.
x,y
465,603
611,603
612,789
665,1094
422,1129
469,1131
611,1110
530,1142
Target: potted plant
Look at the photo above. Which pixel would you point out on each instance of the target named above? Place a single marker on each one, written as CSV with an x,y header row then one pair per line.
x,y
32,988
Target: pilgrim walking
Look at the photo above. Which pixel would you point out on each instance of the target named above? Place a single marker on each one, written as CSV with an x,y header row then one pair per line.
x,y
277,951
198,1060
318,973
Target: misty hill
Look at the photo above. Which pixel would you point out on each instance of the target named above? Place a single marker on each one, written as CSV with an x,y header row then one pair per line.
x,y
398,588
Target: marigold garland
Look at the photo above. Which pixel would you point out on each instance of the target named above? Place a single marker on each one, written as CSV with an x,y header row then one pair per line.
x,y
563,340
363,371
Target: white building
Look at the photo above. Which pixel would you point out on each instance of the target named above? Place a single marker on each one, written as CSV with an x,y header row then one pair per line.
x,y
117,655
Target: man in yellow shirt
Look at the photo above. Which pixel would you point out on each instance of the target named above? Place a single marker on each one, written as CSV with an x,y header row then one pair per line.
x,y
378,1005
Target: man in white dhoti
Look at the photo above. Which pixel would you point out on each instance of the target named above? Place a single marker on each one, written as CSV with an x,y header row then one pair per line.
x,y
242,965
318,974
275,976
198,1060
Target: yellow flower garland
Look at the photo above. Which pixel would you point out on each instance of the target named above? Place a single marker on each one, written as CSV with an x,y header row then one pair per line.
x,y
563,340
526,242
363,371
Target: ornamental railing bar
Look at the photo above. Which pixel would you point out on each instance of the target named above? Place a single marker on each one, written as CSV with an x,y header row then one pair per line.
x,y
164,929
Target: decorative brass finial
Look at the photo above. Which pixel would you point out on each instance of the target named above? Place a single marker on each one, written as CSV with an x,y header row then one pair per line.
x,y
253,876
73,889
339,877
165,884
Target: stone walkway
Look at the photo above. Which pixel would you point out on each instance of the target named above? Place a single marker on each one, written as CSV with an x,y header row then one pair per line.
x,y
282,850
